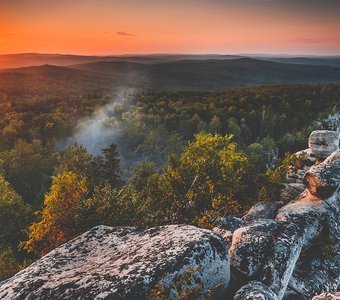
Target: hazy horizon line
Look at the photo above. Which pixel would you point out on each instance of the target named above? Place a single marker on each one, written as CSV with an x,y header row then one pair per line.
x,y
178,53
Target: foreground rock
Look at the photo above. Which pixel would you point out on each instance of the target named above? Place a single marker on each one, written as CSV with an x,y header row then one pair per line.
x,y
323,143
126,263
255,290
323,179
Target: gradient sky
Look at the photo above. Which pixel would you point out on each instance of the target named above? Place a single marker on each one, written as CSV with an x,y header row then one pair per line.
x,y
170,26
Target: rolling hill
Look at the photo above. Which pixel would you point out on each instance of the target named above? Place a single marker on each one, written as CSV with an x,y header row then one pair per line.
x,y
211,74
169,75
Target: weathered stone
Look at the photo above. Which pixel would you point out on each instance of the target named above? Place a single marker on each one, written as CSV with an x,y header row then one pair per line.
x,y
262,210
283,255
328,296
308,214
291,191
323,143
250,246
255,290
229,223
266,250
323,180
124,263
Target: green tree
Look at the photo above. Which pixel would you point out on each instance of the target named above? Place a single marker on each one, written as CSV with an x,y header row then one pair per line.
x,y
111,165
201,185
28,168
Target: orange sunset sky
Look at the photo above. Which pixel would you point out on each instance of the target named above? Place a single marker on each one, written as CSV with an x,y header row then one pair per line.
x,y
105,27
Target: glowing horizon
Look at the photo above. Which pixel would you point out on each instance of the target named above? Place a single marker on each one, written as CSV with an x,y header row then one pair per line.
x,y
127,27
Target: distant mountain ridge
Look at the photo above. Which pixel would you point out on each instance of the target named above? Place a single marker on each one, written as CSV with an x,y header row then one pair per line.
x,y
36,59
170,73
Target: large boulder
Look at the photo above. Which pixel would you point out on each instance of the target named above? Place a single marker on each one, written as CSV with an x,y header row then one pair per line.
x,y
323,180
255,290
280,263
262,210
250,247
267,250
126,263
309,213
323,143
318,222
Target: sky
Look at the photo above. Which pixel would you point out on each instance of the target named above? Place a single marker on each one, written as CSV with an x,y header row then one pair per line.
x,y
104,27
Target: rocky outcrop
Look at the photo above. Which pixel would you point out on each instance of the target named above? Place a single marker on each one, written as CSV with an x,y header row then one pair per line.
x,y
323,180
270,250
126,263
255,290
323,143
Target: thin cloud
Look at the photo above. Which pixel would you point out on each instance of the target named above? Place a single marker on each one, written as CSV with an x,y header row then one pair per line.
x,y
125,33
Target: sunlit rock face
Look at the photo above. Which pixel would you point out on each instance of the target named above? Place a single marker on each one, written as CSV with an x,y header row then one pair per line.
x,y
323,143
323,180
125,263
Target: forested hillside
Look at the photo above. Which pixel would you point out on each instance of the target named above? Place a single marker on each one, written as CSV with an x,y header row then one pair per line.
x,y
152,157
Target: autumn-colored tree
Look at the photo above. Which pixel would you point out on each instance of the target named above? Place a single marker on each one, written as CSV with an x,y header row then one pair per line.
x,y
60,217
202,184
